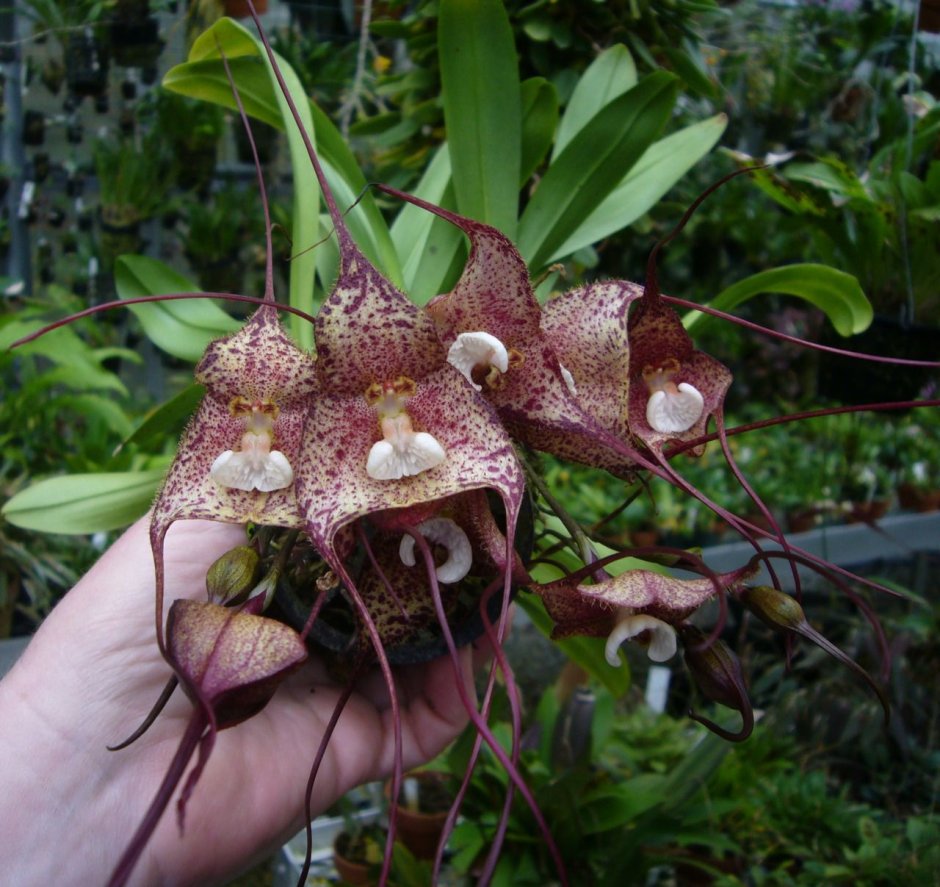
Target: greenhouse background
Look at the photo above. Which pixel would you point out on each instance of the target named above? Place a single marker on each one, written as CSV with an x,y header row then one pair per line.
x,y
124,175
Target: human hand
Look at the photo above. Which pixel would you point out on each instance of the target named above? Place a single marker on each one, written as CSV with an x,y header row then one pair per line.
x,y
91,674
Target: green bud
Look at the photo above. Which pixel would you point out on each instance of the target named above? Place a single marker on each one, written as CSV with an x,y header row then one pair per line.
x,y
774,608
232,576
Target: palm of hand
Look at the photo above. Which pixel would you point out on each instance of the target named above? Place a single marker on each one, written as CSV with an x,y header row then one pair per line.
x,y
94,669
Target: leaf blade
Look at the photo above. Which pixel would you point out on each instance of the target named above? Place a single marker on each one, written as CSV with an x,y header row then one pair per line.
x,y
837,294
83,503
591,166
481,96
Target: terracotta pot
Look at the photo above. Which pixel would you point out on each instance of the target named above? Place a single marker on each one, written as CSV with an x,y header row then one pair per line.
x,y
915,499
240,8
801,520
929,19
421,831
349,870
867,512
644,538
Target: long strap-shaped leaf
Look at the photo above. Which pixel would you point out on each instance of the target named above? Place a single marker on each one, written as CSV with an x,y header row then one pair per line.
x,y
181,328
592,165
480,77
836,293
203,77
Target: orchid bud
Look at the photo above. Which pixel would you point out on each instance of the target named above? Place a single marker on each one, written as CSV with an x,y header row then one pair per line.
x,y
232,576
783,613
718,675
774,608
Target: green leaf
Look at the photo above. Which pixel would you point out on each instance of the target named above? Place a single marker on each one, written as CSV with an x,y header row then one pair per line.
x,y
539,121
608,77
687,63
836,293
365,220
79,365
586,652
611,807
693,771
167,419
481,96
660,167
777,188
182,328
592,165
831,175
203,76
103,408
427,245
83,503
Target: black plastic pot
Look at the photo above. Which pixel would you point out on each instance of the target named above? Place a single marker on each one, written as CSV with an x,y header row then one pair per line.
x,y
334,630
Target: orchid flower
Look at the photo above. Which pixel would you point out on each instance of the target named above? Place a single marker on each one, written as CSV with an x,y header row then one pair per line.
x,y
494,330
636,605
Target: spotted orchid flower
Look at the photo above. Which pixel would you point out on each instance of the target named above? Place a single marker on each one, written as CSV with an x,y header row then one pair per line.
x,y
493,328
674,388
394,426
638,605
237,459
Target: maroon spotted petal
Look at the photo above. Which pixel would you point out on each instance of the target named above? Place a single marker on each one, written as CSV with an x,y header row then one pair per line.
x,y
593,609
333,488
257,362
588,329
229,660
369,331
494,295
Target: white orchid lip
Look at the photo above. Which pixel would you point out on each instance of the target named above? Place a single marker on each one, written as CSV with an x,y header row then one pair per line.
x,y
444,532
255,466
662,637
671,408
403,452
477,349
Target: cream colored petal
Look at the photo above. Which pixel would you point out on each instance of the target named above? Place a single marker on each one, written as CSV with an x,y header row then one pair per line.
x,y
672,412
444,532
250,471
475,348
662,643
409,454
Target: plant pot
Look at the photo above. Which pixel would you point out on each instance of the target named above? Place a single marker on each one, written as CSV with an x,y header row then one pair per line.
x,y
351,871
929,18
196,167
136,43
420,830
241,9
916,499
801,520
34,128
644,538
219,275
867,512
117,239
266,144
